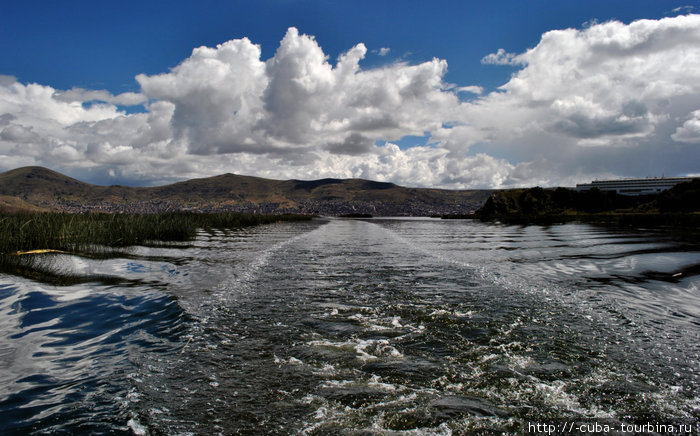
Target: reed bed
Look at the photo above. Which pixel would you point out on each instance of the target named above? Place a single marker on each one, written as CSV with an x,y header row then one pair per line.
x,y
23,233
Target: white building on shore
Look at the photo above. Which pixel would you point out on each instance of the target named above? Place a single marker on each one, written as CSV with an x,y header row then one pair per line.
x,y
634,186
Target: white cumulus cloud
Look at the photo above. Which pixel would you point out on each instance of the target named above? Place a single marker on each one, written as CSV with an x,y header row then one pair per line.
x,y
610,99
473,89
501,57
690,130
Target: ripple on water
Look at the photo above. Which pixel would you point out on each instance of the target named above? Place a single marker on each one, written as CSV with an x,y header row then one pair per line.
x,y
361,327
64,359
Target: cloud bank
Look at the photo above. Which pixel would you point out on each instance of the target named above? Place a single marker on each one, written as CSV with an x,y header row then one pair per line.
x,y
611,99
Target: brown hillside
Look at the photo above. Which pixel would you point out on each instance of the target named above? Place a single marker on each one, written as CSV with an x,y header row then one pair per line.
x,y
52,190
10,204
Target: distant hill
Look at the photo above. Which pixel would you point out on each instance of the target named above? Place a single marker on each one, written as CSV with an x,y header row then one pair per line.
x,y
46,189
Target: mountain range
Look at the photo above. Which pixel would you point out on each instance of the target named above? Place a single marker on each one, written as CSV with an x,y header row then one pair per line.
x,y
38,188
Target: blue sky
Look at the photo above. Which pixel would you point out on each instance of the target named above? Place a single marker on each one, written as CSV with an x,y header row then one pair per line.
x,y
104,46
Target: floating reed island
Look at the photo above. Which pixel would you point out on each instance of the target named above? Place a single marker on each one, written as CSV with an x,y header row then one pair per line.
x,y
34,233
29,241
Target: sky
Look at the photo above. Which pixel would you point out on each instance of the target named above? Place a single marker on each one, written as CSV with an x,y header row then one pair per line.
x,y
449,94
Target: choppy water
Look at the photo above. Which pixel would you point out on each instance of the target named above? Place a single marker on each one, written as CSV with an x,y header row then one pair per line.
x,y
405,326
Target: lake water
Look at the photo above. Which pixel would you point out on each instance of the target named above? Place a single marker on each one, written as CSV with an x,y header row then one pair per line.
x,y
382,326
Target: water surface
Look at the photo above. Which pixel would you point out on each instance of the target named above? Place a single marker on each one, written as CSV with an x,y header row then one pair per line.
x,y
383,326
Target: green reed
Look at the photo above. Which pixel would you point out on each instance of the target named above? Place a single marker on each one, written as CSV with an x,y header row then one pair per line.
x,y
80,232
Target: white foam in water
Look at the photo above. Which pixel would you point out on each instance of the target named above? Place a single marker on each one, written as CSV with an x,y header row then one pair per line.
x,y
443,312
289,361
336,383
376,323
554,394
376,382
668,400
441,430
365,350
337,414
325,369
136,427
487,357
133,396
437,312
508,330
358,317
